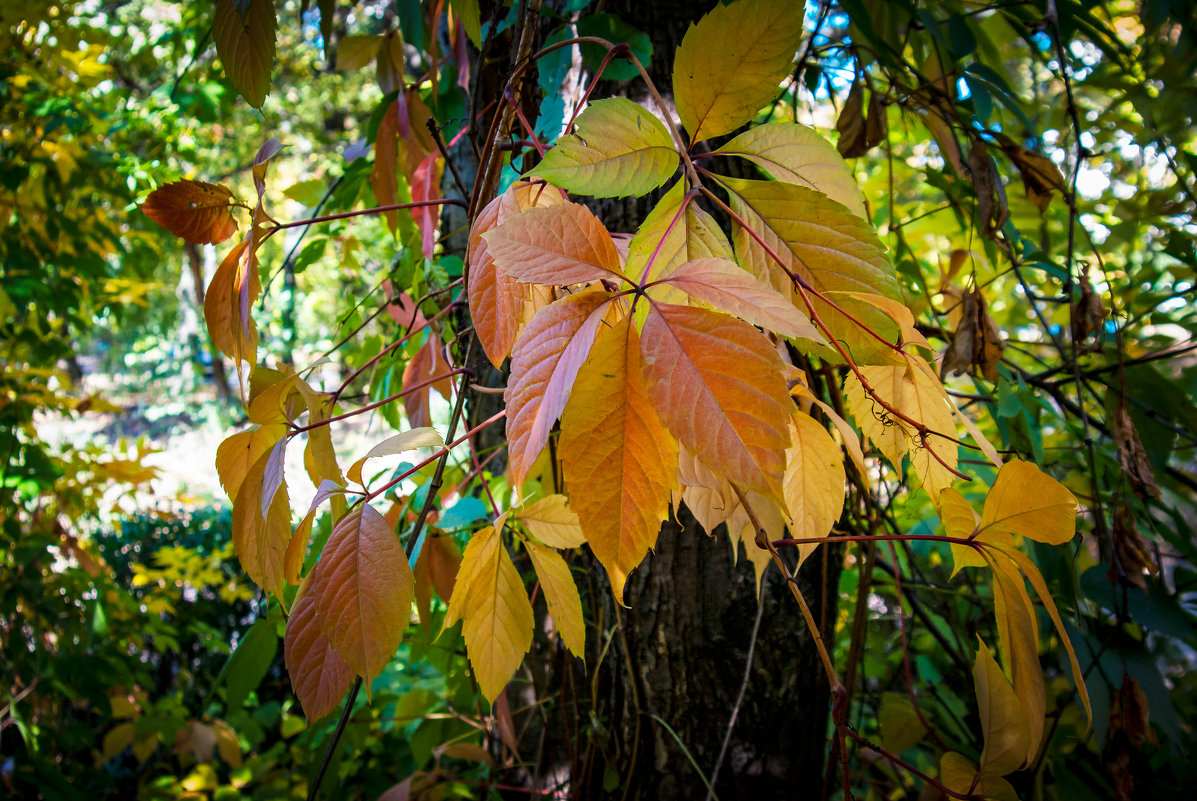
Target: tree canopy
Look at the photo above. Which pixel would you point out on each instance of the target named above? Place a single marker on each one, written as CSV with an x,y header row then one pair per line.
x,y
634,400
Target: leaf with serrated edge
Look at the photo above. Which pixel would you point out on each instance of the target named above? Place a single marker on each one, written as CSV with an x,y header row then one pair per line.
x,y
1003,723
498,619
1028,502
363,587
851,442
730,63
561,595
230,296
813,485
959,775
934,457
619,149
959,522
558,245
717,384
544,363
619,461
246,45
260,541
795,154
196,211
319,676
479,552
725,285
423,437
237,454
495,298
1018,636
695,236
552,521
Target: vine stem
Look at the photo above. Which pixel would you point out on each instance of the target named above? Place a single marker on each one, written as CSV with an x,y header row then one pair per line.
x,y
448,201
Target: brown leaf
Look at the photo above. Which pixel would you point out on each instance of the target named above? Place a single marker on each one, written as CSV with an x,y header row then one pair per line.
x,y
991,193
851,124
1133,456
977,341
876,124
1131,555
1131,714
1087,314
198,212
1040,175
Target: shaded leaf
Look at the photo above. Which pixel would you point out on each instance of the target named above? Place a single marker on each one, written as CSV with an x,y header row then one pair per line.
x,y
1028,502
561,595
320,677
244,33
1003,724
814,480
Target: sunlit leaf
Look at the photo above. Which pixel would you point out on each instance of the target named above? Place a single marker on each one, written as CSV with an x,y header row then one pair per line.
x,y
813,485
261,539
669,237
199,212
228,303
557,245
552,522
1028,502
618,459
619,149
730,63
237,454
320,677
409,440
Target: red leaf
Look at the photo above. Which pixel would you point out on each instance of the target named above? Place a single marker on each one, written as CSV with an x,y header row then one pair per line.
x,y
197,211
425,185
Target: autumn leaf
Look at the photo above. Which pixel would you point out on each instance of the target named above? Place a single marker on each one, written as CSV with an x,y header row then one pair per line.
x,y
730,63
668,244
717,384
558,245
428,363
260,538
813,484
619,461
710,498
545,362
725,286
436,568
561,596
409,440
619,149
363,588
490,595
551,520
199,212
1003,723
239,452
795,154
1028,502
960,775
496,298
320,677
1018,635
244,34
384,177
227,304
425,185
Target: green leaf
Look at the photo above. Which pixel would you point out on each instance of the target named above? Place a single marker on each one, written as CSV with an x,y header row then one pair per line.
x,y
250,662
245,43
619,149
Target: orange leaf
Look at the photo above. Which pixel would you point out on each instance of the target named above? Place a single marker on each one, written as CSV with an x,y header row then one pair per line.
x,y
196,211
425,185
558,245
363,588
544,364
319,676
237,454
618,459
428,363
495,297
230,296
725,285
261,539
384,178
245,44
717,384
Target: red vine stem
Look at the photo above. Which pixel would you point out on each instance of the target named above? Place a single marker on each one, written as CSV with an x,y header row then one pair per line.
x,y
389,399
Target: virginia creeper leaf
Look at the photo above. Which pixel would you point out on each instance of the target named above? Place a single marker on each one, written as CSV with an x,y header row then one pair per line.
x,y
436,568
1028,502
245,43
1003,723
237,454
717,384
479,552
557,245
618,459
561,596
668,244
199,212
959,775
619,149
320,677
727,287
363,588
428,363
544,364
731,62
552,521
406,441
1018,635
795,154
813,485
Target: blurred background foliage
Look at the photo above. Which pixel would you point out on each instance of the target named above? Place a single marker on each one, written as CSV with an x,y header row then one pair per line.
x,y
137,661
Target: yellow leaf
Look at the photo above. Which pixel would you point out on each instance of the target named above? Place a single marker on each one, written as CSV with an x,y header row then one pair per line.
x,y
959,522
618,459
1003,723
899,723
261,538
552,522
424,437
959,775
479,552
561,595
355,52
498,619
740,530
695,236
237,454
709,498
1028,502
730,63
363,588
1018,635
116,740
795,154
320,677
717,384
814,480
619,149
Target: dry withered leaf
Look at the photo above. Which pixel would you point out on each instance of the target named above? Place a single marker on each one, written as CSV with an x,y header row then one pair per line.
x,y
1133,456
1087,315
851,124
977,341
1132,555
991,193
1040,175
